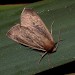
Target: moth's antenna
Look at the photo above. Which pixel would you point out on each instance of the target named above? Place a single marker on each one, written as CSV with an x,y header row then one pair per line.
x,y
43,56
57,43
51,27
58,40
59,37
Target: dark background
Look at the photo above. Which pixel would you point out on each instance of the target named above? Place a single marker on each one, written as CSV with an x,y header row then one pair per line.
x,y
61,70
3,2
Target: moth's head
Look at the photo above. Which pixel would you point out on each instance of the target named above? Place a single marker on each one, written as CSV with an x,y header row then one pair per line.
x,y
54,47
49,46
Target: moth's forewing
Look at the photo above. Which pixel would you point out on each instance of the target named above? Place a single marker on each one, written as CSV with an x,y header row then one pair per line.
x,y
23,36
32,32
30,19
13,32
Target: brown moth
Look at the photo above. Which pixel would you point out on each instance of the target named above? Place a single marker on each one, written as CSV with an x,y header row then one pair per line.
x,y
33,33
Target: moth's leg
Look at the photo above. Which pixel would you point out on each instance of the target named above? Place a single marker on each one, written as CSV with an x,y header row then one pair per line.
x,y
51,27
55,49
43,55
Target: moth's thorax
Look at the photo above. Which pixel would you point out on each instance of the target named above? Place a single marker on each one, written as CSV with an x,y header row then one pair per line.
x,y
49,46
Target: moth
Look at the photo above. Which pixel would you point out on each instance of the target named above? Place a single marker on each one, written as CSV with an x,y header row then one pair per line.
x,y
33,33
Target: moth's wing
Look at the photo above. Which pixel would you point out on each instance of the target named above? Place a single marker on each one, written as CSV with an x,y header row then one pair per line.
x,y
30,19
24,36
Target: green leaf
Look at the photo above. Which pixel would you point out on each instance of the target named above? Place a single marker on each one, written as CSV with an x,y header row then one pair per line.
x,y
16,59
